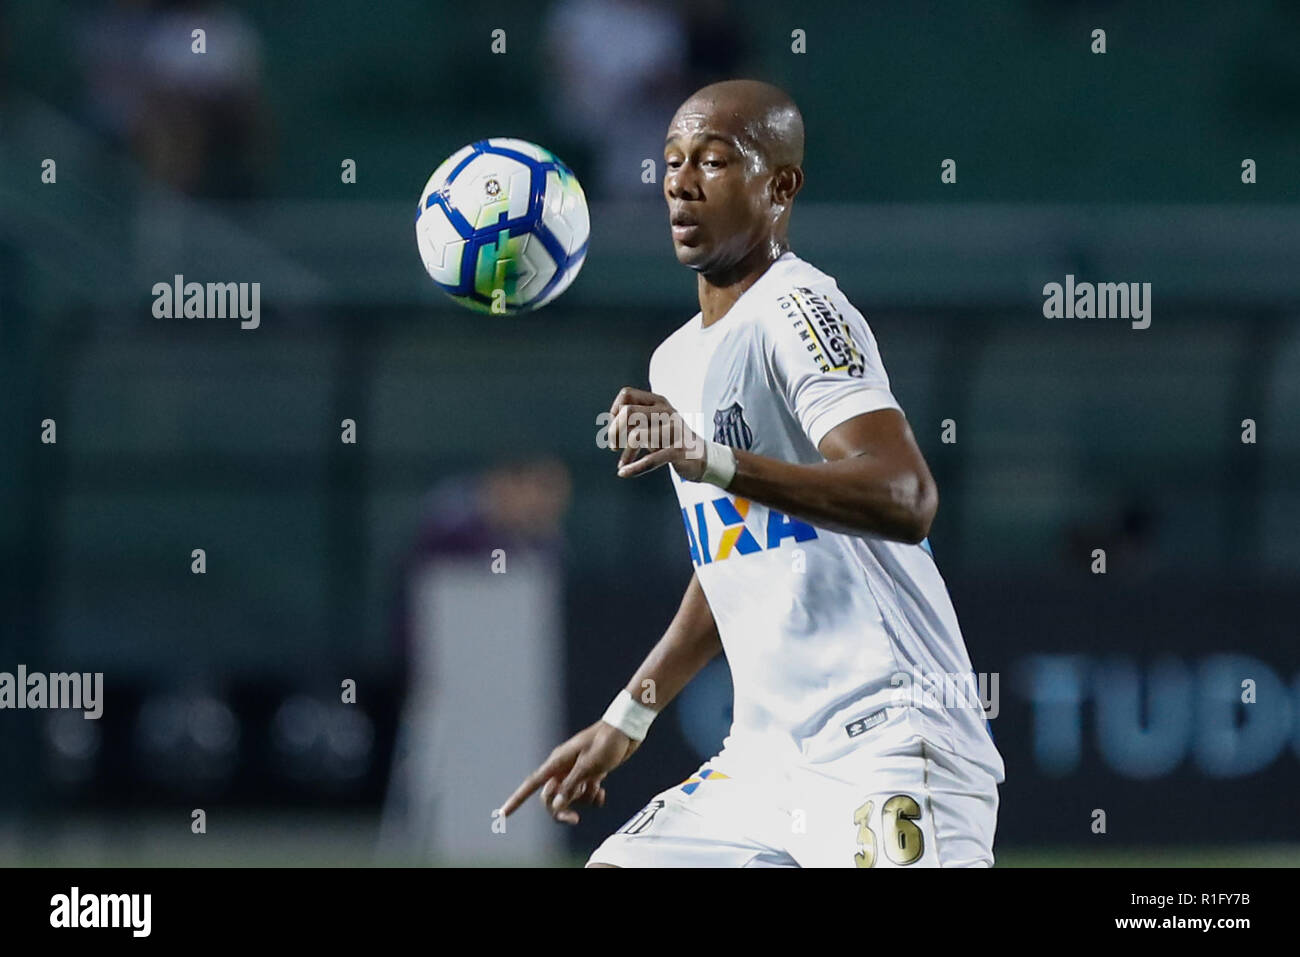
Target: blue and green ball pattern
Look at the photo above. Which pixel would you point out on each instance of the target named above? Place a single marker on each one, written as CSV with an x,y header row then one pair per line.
x,y
480,255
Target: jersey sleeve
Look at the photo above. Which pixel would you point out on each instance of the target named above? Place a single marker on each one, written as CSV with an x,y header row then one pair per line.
x,y
823,357
653,376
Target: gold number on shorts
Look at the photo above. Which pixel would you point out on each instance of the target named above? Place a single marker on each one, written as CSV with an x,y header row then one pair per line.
x,y
904,841
866,855
897,817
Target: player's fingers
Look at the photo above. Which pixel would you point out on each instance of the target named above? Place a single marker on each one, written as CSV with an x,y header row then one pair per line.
x,y
592,793
630,396
625,420
647,463
638,440
629,421
563,801
525,790
564,793
572,785
616,426
693,446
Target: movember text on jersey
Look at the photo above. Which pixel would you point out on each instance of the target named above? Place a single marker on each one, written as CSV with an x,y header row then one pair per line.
x,y
1104,300
35,689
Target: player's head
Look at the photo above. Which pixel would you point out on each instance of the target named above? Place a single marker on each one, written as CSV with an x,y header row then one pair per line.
x,y
733,159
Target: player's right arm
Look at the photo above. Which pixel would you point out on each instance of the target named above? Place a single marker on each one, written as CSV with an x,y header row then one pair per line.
x,y
576,769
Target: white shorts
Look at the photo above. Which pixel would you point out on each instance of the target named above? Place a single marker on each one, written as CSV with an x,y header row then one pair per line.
x,y
894,800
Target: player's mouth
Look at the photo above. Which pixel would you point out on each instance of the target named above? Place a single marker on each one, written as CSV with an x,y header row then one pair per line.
x,y
684,227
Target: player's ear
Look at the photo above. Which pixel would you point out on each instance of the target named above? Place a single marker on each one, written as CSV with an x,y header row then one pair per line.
x,y
786,184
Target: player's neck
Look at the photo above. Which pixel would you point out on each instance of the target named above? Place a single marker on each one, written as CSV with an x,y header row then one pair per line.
x,y
719,291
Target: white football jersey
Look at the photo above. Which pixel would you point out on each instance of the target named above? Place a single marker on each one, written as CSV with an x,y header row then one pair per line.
x,y
824,632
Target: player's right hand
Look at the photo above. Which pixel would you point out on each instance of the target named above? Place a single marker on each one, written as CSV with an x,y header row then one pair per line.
x,y
574,772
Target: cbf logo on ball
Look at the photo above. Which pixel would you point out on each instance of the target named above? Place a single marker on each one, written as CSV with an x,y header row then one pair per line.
x,y
502,226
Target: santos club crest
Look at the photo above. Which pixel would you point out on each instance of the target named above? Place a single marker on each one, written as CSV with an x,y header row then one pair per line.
x,y
730,427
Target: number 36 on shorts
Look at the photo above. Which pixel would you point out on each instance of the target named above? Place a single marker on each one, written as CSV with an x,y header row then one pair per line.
x,y
891,832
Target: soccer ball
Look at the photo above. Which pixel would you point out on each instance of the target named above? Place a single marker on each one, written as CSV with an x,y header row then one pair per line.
x,y
502,226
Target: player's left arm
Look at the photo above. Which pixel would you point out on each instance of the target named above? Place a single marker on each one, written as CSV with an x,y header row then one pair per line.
x,y
874,480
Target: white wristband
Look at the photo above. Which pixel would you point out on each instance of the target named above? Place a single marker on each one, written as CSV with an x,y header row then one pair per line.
x,y
719,464
629,716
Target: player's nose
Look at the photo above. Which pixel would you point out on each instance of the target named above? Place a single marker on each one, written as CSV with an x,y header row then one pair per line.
x,y
682,183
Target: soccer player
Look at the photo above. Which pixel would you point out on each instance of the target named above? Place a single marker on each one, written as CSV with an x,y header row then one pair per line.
x,y
806,515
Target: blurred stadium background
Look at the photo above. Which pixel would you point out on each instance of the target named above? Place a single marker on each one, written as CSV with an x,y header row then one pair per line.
x,y
330,562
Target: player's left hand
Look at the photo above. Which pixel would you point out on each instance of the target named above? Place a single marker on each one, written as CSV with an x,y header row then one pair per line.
x,y
644,422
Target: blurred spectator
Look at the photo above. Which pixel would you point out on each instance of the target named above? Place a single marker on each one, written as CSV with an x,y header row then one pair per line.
x,y
110,42
195,120
622,68
518,508
515,505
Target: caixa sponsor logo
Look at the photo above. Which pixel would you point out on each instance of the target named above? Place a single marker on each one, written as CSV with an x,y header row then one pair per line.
x,y
1229,714
729,534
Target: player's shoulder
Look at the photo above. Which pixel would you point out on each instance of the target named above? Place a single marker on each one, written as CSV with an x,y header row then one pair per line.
x,y
795,295
679,338
677,341
792,271
791,296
